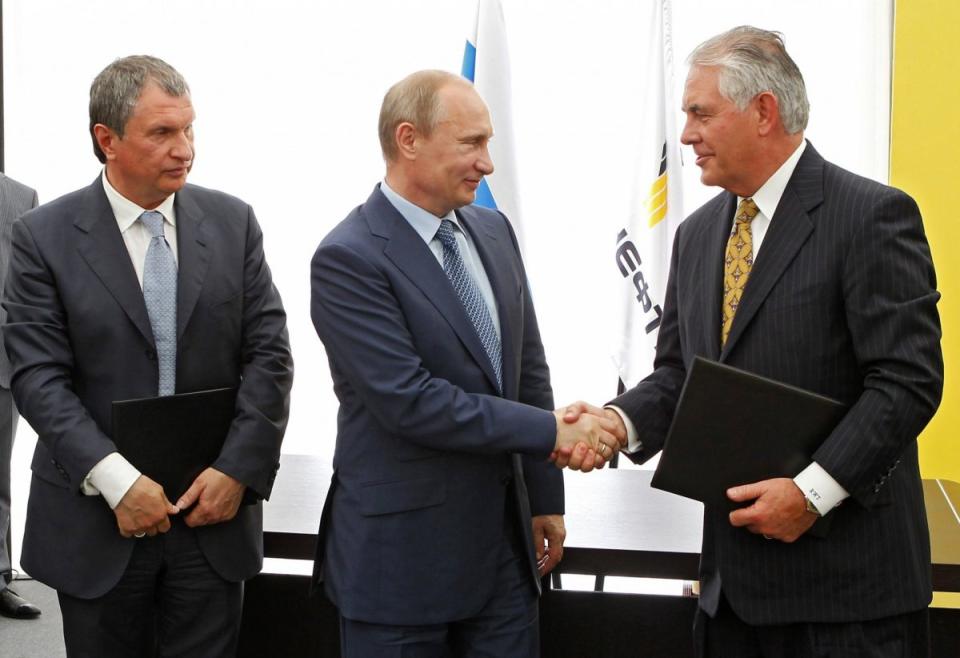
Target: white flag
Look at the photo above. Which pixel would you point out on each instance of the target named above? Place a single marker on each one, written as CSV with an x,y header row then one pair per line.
x,y
645,242
486,63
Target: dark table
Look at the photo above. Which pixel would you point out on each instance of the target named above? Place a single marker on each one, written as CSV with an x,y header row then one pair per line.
x,y
617,525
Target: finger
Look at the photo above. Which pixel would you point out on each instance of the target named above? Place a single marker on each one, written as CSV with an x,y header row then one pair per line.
x,y
538,541
577,457
589,461
190,496
151,531
551,561
745,492
553,456
164,524
562,460
742,517
571,414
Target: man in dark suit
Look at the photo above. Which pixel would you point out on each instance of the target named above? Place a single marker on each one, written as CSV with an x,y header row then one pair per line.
x,y
443,504
807,274
135,286
15,199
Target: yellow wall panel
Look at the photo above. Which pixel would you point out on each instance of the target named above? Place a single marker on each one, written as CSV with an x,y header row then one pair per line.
x,y
925,162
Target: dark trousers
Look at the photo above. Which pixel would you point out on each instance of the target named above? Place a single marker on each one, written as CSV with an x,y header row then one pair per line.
x,y
168,603
728,636
8,430
507,627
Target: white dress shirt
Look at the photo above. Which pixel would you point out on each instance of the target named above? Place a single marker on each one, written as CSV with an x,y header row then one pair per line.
x,y
815,483
113,475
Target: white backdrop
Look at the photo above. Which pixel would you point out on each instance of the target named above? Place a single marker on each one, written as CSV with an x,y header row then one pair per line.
x,y
287,95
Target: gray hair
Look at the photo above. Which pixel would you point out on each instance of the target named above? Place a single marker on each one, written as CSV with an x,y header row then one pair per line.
x,y
115,91
752,61
416,100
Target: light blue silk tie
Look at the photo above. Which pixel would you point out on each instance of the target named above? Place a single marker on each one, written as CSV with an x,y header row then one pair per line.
x,y
160,295
470,297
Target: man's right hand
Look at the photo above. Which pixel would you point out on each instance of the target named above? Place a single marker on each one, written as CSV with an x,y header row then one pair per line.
x,y
144,509
585,443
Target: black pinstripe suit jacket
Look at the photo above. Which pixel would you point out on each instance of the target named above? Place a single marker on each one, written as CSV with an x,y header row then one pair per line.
x,y
842,301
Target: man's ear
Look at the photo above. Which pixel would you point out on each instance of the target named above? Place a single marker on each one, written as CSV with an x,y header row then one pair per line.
x,y
106,139
768,113
406,139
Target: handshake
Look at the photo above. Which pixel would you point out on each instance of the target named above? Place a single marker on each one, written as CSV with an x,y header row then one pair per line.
x,y
587,436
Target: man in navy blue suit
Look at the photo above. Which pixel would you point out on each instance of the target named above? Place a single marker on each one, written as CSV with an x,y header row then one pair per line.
x,y
444,510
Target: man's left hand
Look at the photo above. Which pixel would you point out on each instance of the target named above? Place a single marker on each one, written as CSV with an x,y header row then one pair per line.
x,y
217,496
549,532
779,510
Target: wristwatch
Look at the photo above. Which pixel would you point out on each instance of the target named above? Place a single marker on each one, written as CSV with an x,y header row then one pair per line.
x,y
811,507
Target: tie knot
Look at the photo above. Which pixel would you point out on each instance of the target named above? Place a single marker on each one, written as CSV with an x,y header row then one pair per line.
x,y
445,234
746,211
154,223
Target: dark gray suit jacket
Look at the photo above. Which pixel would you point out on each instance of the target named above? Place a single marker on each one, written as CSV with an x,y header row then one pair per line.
x,y
842,301
428,466
79,337
15,199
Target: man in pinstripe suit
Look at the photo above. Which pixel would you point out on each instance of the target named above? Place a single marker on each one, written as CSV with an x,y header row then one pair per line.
x,y
15,199
840,298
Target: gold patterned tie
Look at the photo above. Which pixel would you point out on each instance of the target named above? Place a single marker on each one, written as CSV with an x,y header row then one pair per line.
x,y
737,264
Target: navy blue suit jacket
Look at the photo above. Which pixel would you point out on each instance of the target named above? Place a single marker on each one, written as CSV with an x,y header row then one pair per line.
x,y
428,464
842,301
79,337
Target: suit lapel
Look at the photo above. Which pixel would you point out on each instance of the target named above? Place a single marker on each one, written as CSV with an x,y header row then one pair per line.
x,y
413,257
193,256
490,249
789,229
101,246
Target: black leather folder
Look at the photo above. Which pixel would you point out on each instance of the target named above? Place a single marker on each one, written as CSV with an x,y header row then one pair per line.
x,y
172,439
733,427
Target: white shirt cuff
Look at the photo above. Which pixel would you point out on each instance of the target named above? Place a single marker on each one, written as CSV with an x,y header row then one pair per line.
x,y
820,488
112,477
634,444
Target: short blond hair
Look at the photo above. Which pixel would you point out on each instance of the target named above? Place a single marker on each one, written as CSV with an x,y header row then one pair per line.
x,y
415,100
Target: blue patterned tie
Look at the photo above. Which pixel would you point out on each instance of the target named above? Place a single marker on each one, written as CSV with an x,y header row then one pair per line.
x,y
160,295
470,297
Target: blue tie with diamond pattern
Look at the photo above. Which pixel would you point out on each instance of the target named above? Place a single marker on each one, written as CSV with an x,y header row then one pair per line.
x,y
470,297
160,296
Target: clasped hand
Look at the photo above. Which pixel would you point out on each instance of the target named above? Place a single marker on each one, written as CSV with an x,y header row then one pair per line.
x,y
145,510
587,436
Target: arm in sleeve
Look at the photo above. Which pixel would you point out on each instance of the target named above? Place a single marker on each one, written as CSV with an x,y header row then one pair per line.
x,y
41,358
367,340
251,452
890,299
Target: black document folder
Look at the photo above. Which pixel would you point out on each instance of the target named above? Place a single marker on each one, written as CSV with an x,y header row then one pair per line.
x,y
733,427
172,439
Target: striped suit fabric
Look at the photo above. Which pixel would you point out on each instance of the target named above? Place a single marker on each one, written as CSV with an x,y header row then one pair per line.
x,y
841,301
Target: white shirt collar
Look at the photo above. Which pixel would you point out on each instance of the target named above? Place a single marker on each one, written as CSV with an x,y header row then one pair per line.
x,y
423,221
768,196
127,212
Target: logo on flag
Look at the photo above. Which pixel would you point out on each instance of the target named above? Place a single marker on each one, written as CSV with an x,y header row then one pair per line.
x,y
644,245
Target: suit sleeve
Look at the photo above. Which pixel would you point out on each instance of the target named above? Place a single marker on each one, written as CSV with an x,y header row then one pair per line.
x,y
251,452
890,296
37,341
650,405
363,329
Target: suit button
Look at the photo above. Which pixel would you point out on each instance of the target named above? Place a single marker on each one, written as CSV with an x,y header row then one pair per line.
x,y
151,354
505,480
